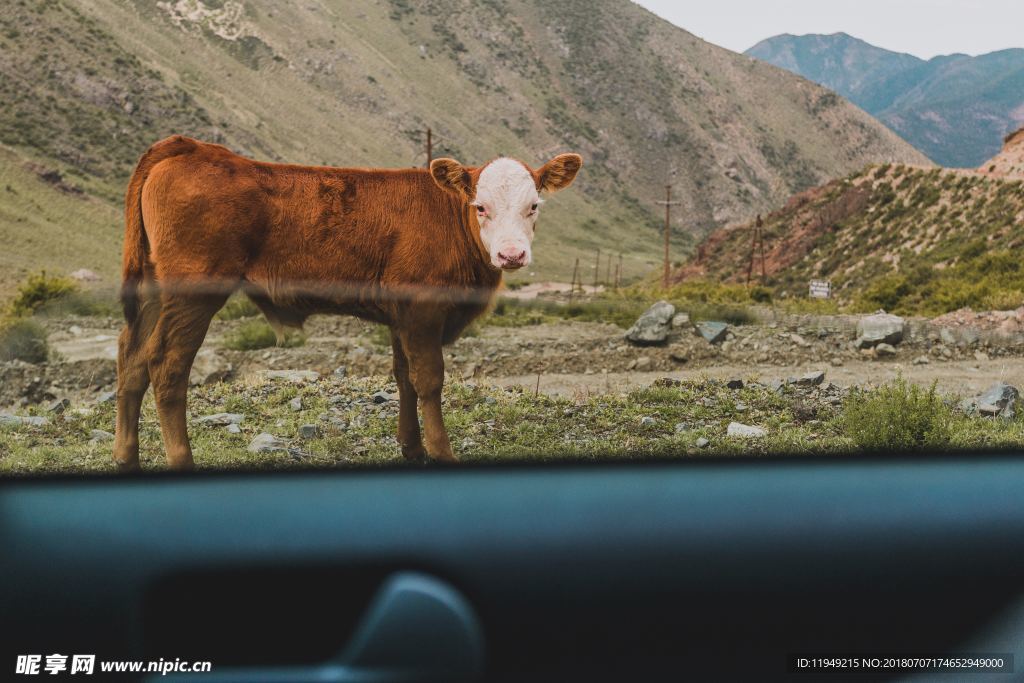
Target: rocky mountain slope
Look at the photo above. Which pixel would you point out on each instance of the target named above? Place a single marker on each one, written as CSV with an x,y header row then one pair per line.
x,y
903,238
86,86
1009,163
954,108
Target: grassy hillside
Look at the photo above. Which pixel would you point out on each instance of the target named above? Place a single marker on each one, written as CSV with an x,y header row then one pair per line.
x,y
954,108
86,86
907,239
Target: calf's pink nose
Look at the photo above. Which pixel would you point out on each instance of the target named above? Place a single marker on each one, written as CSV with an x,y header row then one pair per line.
x,y
511,257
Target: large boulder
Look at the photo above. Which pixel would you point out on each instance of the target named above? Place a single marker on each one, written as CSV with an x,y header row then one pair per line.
x,y
713,332
1000,400
652,328
208,368
879,328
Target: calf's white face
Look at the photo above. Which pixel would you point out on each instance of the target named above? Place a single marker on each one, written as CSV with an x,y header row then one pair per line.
x,y
506,205
504,195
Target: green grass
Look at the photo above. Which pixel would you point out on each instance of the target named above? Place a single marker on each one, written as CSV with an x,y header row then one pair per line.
x,y
487,424
258,334
23,339
238,306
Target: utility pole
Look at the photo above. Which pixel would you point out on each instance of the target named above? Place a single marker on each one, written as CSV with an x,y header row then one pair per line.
x,y
575,269
757,245
668,230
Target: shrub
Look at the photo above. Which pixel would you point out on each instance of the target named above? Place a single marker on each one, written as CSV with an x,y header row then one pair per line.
x,y
258,334
38,291
897,417
238,307
23,339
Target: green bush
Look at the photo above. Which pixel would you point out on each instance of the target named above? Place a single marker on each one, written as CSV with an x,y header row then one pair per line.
x,y
238,307
897,417
258,334
38,291
23,339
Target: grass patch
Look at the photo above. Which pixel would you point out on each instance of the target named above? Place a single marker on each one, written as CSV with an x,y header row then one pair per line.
x,y
238,306
23,339
898,417
258,334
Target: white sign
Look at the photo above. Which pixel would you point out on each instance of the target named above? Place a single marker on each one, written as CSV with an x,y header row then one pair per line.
x,y
821,289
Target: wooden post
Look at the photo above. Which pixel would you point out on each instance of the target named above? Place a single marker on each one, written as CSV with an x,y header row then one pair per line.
x,y
618,273
575,269
608,273
668,230
430,146
597,268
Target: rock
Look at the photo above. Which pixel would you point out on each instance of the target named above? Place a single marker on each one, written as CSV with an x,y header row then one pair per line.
x,y
741,407
470,371
75,330
295,404
947,336
60,406
1000,400
267,443
743,431
647,421
776,385
836,362
220,419
84,275
679,355
383,397
885,350
106,397
208,368
681,320
799,341
234,429
682,427
921,360
652,327
980,356
98,435
296,376
970,336
340,372
880,328
811,379
643,364
713,332
735,383
703,443
308,431
8,420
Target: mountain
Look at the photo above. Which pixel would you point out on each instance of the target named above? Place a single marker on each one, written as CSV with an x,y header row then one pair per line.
x,y
955,108
87,85
1009,163
907,239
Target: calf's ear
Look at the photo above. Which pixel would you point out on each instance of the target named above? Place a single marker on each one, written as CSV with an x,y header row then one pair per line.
x,y
559,172
452,176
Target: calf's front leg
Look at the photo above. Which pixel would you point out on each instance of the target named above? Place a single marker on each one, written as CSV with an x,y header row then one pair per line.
x,y
426,374
408,424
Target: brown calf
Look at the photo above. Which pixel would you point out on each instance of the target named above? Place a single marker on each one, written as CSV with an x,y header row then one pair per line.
x,y
420,251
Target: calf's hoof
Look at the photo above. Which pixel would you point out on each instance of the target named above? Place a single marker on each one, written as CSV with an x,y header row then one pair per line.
x,y
415,453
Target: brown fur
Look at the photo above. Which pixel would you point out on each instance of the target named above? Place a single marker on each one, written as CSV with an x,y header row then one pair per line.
x,y
389,246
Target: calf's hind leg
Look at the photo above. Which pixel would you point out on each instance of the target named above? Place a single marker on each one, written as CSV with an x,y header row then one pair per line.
x,y
132,383
180,330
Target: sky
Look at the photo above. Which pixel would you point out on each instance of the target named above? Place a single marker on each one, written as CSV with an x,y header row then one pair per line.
x,y
924,28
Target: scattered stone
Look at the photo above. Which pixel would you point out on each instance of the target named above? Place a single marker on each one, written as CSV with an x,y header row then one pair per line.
x,y
713,332
880,328
799,341
980,356
106,397
220,419
75,330
921,360
652,327
98,435
681,320
947,336
470,371
8,420
682,427
234,429
340,372
643,364
741,407
647,421
490,400
678,355
383,397
836,362
60,406
1000,400
776,385
970,336
745,431
703,443
735,384
295,404
308,431
84,275
208,368
885,350
267,443
811,379
296,376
